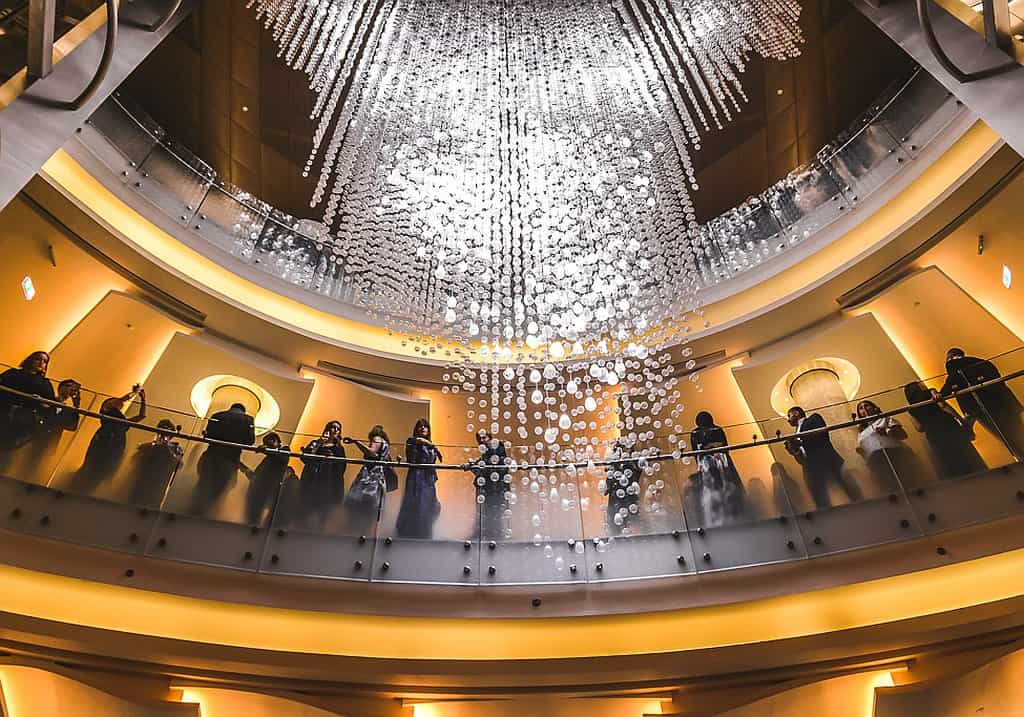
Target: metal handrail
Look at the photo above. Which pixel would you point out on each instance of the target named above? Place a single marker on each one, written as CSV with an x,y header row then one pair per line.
x,y
106,60
514,466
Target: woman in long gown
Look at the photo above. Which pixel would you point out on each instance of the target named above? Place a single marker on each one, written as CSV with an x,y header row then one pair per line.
x,y
322,483
949,440
722,495
107,447
365,499
420,506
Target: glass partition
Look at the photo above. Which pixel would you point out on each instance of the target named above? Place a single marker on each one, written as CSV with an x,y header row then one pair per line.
x,y
738,503
863,158
429,528
847,476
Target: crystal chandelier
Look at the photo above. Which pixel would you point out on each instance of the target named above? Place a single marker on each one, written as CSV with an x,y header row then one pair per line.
x,y
507,182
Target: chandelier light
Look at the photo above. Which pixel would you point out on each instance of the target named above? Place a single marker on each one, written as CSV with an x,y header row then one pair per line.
x,y
507,182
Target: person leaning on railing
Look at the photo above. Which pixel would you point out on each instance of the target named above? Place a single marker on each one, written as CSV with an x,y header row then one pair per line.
x,y
20,419
365,499
995,407
420,507
881,441
820,460
949,437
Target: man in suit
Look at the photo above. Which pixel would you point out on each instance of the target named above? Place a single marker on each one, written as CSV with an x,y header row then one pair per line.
x,y
219,464
821,462
994,407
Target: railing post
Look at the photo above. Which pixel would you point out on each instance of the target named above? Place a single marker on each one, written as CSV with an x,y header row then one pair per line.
x,y
996,14
42,17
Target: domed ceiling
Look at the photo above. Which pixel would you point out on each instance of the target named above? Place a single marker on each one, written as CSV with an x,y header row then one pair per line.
x,y
218,85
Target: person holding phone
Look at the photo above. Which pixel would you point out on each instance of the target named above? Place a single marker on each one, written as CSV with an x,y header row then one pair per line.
x,y
322,484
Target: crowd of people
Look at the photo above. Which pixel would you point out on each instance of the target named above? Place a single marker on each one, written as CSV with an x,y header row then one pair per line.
x,y
717,493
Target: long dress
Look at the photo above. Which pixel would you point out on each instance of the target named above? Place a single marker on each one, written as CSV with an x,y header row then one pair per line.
x,y
106,449
949,445
365,499
722,495
420,506
322,484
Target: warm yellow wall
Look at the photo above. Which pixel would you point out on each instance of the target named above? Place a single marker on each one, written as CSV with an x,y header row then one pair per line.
x,y
235,703
859,340
64,294
927,313
188,359
359,408
718,392
31,692
1002,223
849,696
994,690
115,346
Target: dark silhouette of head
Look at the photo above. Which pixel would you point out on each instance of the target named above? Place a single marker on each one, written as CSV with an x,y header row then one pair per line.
x,y
36,362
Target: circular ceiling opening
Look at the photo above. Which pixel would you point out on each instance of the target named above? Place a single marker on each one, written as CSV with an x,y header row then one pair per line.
x,y
844,376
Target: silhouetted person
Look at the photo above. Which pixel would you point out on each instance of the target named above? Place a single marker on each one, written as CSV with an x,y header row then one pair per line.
x,y
218,466
420,506
106,449
365,499
723,497
622,486
265,480
39,453
153,466
820,460
949,440
490,472
995,407
322,485
21,418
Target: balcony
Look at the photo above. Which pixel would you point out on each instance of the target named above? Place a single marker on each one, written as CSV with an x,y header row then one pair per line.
x,y
529,524
894,140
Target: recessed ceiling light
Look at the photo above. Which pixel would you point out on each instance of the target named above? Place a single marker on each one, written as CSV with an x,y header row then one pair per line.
x,y
779,91
28,289
245,108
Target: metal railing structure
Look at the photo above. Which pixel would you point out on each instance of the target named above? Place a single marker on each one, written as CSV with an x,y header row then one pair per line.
x,y
212,213
530,521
